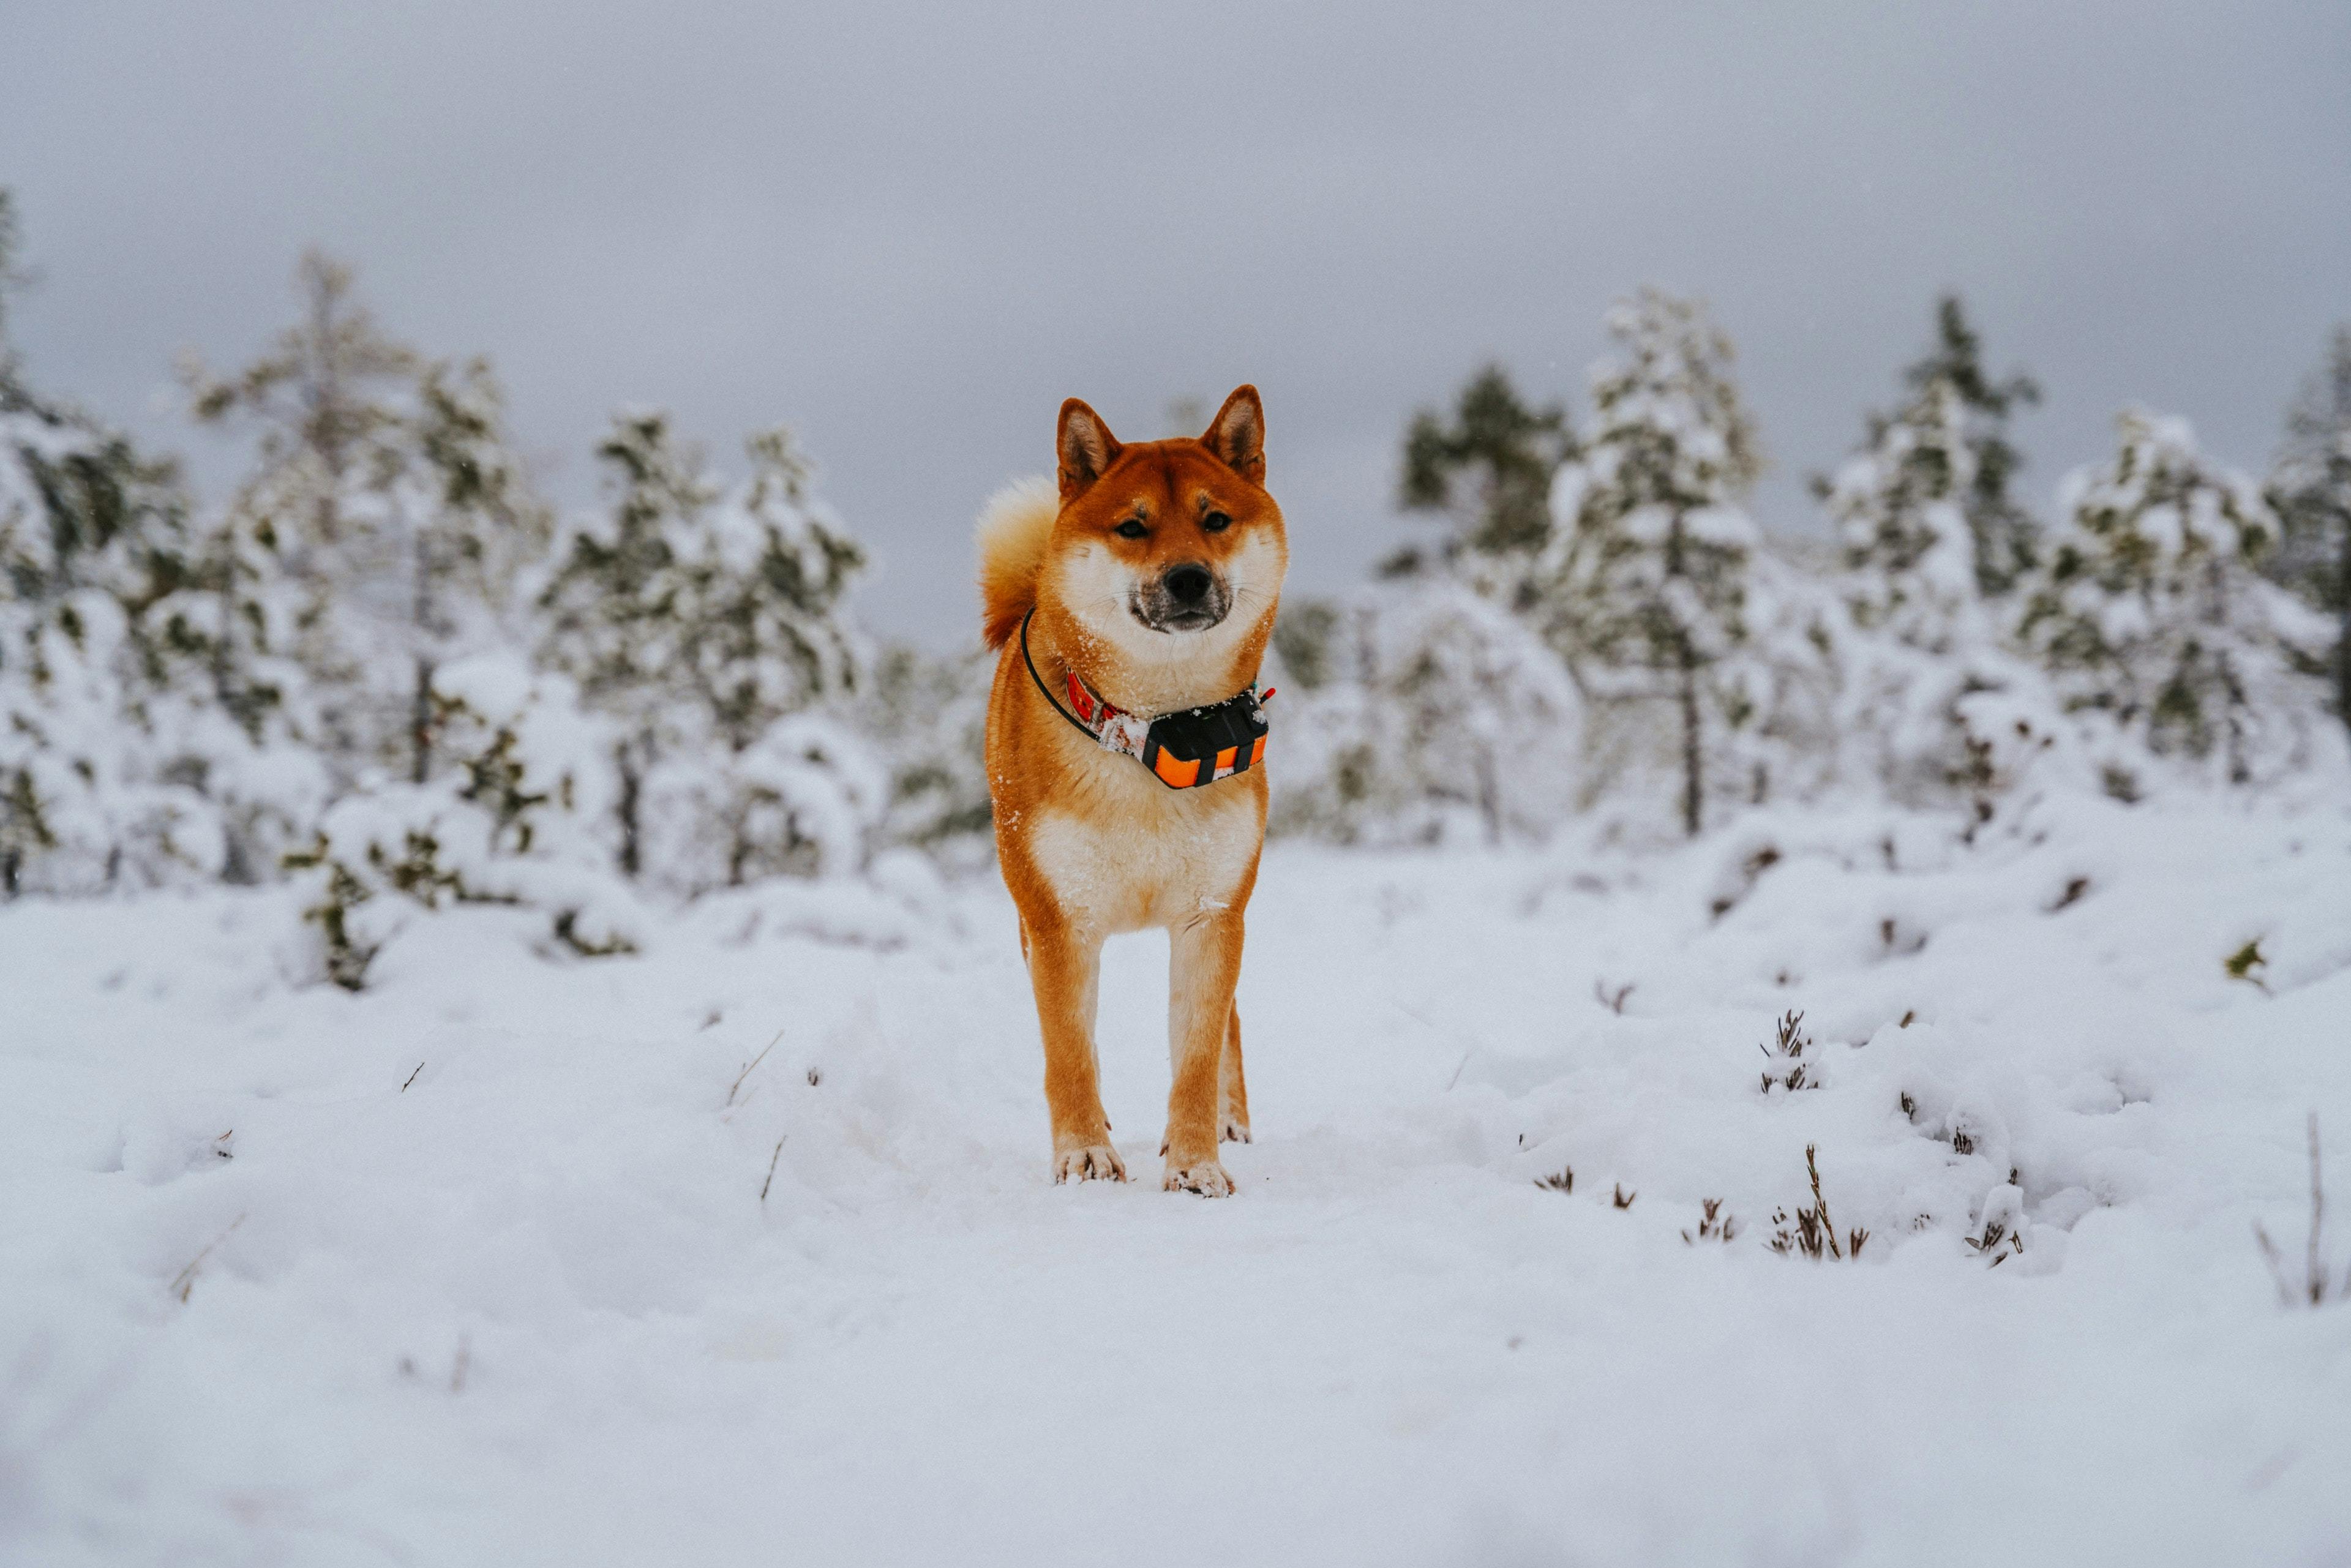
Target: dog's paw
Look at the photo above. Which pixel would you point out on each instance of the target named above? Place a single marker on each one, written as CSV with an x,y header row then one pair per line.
x,y
1094,1162
1236,1130
1206,1178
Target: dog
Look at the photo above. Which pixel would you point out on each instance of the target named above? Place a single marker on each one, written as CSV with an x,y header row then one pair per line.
x,y
1140,588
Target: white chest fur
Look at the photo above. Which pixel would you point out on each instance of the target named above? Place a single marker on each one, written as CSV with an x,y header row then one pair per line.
x,y
1135,853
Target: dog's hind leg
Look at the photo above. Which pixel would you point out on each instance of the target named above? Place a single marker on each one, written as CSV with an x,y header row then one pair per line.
x,y
1235,1089
1204,962
1064,970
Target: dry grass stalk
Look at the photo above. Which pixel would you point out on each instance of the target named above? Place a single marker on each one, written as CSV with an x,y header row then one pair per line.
x,y
771,1169
750,1067
185,1280
2314,1289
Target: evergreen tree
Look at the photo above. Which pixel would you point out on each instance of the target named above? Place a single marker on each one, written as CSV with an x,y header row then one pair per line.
x,y
1923,511
928,716
2150,611
1488,468
1647,593
94,789
1414,712
1927,531
700,620
379,533
2310,488
616,607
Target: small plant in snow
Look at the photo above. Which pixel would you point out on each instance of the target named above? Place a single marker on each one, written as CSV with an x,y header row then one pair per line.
x,y
1997,1242
1812,1232
2247,963
1786,1052
1625,1199
2000,1234
1713,1225
1561,1180
2314,1289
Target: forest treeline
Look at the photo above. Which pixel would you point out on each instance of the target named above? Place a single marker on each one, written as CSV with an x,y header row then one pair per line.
x,y
383,667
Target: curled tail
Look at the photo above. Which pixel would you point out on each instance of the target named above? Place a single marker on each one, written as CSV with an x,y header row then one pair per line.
x,y
1013,529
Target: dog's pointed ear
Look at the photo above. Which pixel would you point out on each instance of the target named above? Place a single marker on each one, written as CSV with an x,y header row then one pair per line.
x,y
1085,446
1238,435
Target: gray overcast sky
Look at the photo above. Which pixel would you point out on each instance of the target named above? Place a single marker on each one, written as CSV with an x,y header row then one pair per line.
x,y
912,231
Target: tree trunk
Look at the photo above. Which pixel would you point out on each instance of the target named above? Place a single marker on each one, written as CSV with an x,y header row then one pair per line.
x,y
2343,640
420,711
630,782
420,723
1693,778
1686,658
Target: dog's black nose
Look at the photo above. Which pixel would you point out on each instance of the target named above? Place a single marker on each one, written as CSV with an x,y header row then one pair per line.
x,y
1187,584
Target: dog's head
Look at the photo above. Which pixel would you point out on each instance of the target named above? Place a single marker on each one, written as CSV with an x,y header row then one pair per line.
x,y
1164,548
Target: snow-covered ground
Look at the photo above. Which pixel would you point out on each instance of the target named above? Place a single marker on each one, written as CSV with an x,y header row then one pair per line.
x,y
503,1261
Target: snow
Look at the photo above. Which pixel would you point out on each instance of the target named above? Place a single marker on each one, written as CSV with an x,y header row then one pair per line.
x,y
478,1266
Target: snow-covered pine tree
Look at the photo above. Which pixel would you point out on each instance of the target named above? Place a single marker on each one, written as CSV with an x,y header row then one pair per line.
x,y
928,715
1923,511
1488,469
381,527
2149,609
1418,711
1647,591
700,620
616,606
773,658
93,790
1926,534
2310,489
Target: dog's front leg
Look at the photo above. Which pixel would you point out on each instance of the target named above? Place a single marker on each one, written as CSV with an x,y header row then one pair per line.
x,y
1204,965
1065,967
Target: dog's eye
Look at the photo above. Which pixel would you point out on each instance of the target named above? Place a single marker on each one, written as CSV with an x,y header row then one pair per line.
x,y
1130,530
1215,522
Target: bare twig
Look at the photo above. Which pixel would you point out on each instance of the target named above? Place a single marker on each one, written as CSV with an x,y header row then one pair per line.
x,y
1560,1180
185,1280
1460,1070
751,1066
771,1169
411,1077
461,1365
2314,1287
1625,1199
1613,1001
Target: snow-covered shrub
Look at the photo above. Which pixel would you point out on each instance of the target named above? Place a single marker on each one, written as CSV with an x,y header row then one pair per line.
x,y
85,802
1417,711
804,799
517,819
2152,618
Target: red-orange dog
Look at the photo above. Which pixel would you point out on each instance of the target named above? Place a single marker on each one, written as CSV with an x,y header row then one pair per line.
x,y
1144,590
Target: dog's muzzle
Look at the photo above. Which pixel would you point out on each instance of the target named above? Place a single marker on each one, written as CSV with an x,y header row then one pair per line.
x,y
1186,597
